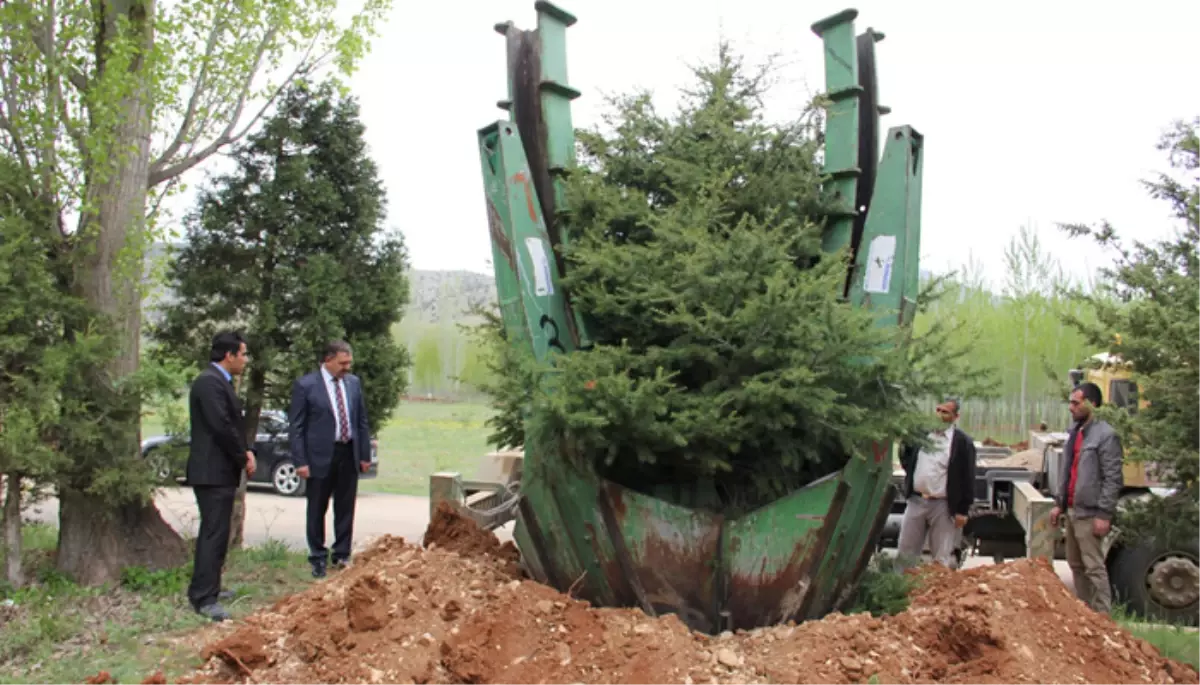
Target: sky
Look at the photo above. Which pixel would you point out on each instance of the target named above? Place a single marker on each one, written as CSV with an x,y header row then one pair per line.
x,y
1033,112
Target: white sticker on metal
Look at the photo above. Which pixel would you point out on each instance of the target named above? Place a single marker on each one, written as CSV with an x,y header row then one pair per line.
x,y
880,256
543,282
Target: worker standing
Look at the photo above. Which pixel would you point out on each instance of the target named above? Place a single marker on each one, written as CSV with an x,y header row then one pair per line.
x,y
939,483
1092,481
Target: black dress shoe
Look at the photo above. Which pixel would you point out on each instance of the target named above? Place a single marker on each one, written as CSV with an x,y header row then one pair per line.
x,y
214,611
318,569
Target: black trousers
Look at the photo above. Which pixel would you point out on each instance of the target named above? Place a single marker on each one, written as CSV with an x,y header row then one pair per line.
x,y
212,542
342,484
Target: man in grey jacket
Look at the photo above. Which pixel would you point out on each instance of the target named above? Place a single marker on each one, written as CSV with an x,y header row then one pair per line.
x,y
1091,484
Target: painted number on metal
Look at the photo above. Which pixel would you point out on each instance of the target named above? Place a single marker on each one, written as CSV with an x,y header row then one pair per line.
x,y
543,283
880,256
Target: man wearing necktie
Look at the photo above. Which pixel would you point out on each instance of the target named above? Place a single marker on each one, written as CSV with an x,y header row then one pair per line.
x,y
939,482
330,444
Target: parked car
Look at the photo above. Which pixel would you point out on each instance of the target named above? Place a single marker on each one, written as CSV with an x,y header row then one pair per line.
x,y
167,455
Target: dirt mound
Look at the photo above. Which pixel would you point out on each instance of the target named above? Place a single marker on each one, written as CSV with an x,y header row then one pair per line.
x,y
1016,446
452,531
403,614
1025,459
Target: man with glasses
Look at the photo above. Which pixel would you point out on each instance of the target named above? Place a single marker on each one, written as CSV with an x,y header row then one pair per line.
x,y
1092,481
939,483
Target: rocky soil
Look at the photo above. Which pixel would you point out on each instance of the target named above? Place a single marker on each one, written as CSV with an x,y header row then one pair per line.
x,y
456,611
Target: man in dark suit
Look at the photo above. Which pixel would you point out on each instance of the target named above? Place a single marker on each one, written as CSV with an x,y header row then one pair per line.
x,y
939,483
331,445
216,459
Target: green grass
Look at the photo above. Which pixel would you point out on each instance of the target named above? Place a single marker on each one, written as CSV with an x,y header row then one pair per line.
x,y
1174,642
425,437
58,632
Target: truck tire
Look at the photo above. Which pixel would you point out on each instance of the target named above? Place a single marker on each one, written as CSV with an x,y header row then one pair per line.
x,y
1156,582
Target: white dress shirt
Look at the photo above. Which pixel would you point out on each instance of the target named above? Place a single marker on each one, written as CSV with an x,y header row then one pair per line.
x,y
333,402
932,464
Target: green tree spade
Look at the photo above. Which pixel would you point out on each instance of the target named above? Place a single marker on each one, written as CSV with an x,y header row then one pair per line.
x,y
106,103
290,249
725,359
1147,309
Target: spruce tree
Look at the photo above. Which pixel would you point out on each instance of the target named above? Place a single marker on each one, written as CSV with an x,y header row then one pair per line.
x,y
726,365
290,249
1147,312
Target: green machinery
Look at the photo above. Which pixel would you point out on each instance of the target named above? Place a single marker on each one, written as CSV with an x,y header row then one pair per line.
x,y
798,557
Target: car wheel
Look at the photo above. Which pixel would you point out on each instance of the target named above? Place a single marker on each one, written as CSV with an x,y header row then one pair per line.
x,y
160,464
286,481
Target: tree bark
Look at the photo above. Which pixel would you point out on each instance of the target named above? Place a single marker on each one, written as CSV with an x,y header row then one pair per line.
x,y
97,540
97,536
254,397
12,531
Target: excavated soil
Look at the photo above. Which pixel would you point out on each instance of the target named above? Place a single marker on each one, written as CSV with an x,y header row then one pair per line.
x,y
403,614
1025,459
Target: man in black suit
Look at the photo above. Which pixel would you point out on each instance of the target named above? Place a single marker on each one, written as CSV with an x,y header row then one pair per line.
x,y
331,445
939,482
216,459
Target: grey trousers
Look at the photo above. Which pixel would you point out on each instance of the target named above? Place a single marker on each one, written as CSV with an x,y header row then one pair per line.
x,y
1085,556
930,517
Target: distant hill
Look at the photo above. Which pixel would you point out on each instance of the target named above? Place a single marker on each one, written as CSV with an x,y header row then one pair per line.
x,y
435,297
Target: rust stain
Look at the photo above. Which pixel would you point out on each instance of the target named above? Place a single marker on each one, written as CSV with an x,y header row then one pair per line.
x,y
499,238
757,599
522,178
677,578
762,598
880,451
672,573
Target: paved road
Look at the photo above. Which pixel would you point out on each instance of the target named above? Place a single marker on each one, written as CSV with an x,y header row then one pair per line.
x,y
270,516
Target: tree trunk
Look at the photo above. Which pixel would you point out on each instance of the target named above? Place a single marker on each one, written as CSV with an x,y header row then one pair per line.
x,y
254,401
12,531
1023,421
255,391
98,536
97,540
